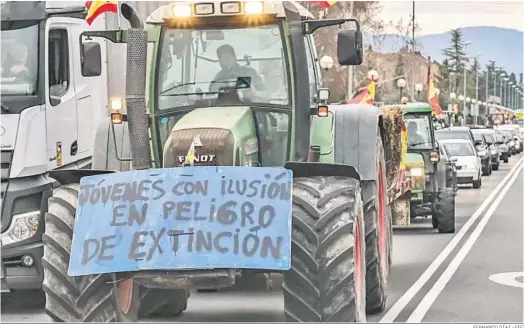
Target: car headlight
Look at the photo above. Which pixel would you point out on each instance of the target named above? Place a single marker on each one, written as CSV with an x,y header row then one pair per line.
x,y
416,172
511,143
482,153
494,152
23,226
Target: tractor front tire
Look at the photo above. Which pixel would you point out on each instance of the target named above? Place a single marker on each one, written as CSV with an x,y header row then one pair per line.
x,y
326,282
163,303
445,210
91,298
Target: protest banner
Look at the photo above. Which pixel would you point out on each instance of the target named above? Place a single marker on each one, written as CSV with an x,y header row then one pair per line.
x,y
183,218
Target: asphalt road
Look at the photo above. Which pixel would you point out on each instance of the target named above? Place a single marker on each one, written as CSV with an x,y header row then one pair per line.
x,y
474,275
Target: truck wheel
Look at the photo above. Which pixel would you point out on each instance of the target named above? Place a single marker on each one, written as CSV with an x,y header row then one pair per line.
x,y
378,228
163,303
92,298
445,210
327,280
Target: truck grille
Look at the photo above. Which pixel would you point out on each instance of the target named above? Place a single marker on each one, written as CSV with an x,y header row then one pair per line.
x,y
218,146
5,161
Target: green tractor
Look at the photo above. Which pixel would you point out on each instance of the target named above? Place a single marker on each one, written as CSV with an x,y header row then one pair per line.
x,y
262,118
432,173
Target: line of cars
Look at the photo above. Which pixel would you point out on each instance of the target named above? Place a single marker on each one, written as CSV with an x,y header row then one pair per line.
x,y
479,150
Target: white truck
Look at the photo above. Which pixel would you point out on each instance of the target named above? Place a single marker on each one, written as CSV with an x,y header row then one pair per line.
x,y
51,107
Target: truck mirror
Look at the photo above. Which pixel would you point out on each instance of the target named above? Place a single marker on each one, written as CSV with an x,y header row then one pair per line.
x,y
91,59
349,47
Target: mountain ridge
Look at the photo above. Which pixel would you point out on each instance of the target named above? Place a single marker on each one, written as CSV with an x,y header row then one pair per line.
x,y
503,45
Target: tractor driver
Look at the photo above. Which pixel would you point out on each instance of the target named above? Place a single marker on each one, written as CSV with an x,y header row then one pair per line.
x,y
231,70
414,139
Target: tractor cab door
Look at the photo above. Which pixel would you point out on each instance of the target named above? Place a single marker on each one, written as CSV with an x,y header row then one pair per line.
x,y
61,97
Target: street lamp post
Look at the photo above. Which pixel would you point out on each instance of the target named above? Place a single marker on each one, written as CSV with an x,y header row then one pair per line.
x,y
418,88
509,87
401,84
462,99
504,91
452,96
465,68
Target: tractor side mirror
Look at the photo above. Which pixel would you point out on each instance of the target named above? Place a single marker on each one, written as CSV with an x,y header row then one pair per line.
x,y
349,47
91,59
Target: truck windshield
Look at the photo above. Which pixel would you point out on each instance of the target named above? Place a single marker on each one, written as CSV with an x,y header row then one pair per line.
x,y
196,66
419,131
19,51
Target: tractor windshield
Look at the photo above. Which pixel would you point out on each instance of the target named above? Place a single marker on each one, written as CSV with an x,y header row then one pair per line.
x,y
19,50
419,131
197,67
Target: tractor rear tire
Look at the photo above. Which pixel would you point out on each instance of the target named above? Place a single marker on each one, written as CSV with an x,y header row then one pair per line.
x,y
377,260
445,210
91,298
163,303
496,167
326,282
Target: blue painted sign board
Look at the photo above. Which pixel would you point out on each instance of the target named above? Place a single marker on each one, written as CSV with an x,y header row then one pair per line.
x,y
183,218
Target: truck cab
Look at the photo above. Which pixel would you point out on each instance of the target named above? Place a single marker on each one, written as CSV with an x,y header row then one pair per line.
x,y
50,107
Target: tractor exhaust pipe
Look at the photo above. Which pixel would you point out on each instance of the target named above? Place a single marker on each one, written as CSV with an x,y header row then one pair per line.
x,y
132,16
136,90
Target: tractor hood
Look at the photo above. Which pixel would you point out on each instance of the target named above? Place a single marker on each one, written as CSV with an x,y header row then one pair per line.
x,y
216,134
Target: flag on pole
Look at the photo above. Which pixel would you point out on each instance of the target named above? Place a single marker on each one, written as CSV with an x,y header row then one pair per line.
x,y
324,4
190,157
432,93
96,8
366,96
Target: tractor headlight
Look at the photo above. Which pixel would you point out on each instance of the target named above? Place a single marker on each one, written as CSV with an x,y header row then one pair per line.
x,y
253,7
23,226
182,10
512,143
416,172
482,153
494,152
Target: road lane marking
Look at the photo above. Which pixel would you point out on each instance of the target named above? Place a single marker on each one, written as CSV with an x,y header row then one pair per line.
x,y
508,279
403,301
428,300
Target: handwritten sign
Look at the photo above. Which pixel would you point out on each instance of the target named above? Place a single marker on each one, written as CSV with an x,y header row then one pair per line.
x,y
183,218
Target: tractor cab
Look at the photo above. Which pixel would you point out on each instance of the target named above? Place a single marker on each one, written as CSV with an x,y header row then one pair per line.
x,y
430,170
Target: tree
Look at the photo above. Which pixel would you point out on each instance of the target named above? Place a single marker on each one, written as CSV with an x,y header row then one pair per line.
x,y
326,40
405,32
456,55
521,79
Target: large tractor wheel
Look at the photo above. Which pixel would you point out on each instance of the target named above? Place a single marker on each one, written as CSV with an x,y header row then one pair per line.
x,y
93,298
163,303
378,235
445,210
326,282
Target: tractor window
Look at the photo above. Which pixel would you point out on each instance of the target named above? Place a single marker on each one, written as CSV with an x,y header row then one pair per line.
x,y
273,134
201,67
311,64
58,63
419,131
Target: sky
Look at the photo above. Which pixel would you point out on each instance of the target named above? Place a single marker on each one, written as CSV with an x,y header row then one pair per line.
x,y
436,17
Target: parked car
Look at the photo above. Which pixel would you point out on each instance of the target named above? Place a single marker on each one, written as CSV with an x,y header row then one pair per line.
x,y
503,147
493,150
479,143
467,163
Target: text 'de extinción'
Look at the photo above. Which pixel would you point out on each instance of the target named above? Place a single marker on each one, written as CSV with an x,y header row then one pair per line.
x,y
183,218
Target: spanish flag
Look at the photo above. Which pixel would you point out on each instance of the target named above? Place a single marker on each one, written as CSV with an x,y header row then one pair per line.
x,y
366,96
432,93
95,8
324,4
